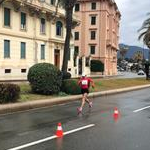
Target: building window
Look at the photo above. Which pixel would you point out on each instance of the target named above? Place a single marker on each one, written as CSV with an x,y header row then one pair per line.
x,y
93,20
23,20
42,51
59,28
23,50
76,35
92,49
42,29
23,70
87,61
52,2
76,50
7,70
93,6
6,49
77,7
7,17
76,53
93,35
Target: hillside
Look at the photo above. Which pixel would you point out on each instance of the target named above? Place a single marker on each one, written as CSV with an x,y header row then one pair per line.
x,y
132,50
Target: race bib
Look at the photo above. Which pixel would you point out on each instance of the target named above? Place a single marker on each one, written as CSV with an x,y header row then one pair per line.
x,y
84,82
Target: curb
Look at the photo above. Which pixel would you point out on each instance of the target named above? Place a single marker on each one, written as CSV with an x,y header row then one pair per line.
x,y
11,108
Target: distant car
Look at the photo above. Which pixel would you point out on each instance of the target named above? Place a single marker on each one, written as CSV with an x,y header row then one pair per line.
x,y
120,69
141,72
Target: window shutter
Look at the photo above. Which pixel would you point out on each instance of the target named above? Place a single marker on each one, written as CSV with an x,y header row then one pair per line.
x,y
23,50
6,16
6,48
42,21
42,51
23,18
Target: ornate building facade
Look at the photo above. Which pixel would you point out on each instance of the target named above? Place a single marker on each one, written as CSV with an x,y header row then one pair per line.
x,y
31,32
98,34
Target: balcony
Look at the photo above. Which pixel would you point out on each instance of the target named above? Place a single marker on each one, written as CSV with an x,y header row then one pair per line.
x,y
37,7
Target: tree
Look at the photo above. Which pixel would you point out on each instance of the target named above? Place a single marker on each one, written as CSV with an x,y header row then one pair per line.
x,y
1,1
145,35
123,51
138,56
68,5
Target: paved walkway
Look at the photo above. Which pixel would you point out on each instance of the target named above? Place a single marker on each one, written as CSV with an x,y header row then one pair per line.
x,y
14,107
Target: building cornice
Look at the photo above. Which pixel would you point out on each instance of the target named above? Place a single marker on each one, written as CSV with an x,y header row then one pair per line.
x,y
39,8
111,2
54,40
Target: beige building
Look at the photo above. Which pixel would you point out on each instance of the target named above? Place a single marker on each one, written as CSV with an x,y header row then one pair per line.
x,y
98,34
31,33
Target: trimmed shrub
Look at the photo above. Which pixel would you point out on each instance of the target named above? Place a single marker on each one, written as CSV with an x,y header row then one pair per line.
x,y
45,78
9,93
66,75
70,86
97,66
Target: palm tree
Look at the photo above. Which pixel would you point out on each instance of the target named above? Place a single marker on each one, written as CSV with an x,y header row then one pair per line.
x,y
146,32
68,5
1,1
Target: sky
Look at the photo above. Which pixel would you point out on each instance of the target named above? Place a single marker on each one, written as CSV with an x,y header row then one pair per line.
x,y
133,14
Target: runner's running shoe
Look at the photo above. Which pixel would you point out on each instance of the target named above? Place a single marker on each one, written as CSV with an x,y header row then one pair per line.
x,y
90,104
79,110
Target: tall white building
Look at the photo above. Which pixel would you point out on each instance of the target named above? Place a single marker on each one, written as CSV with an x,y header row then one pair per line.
x,y
30,33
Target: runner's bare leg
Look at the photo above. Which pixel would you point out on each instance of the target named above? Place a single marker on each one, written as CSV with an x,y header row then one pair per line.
x,y
83,100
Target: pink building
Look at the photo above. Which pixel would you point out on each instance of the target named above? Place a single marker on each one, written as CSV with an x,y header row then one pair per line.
x,y
98,33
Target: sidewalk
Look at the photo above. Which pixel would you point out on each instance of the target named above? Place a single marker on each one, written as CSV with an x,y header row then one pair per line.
x,y
15,107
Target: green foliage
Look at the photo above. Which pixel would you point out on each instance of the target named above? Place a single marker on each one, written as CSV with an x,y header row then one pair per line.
x,y
145,30
9,93
97,66
66,75
61,94
70,86
67,3
45,78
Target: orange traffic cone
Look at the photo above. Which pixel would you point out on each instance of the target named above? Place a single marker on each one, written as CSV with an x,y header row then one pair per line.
x,y
59,132
116,113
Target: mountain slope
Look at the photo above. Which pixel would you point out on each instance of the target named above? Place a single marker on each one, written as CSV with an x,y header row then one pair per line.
x,y
132,50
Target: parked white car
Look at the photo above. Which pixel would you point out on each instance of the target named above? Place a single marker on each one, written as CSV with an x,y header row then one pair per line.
x,y
120,69
141,72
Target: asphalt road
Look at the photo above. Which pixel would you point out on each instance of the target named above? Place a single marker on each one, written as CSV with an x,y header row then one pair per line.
x,y
131,131
129,75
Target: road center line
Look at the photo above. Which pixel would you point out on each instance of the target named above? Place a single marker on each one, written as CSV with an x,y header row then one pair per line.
x,y
135,111
50,138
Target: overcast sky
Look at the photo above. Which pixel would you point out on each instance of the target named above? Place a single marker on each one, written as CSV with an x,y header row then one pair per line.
x,y
133,12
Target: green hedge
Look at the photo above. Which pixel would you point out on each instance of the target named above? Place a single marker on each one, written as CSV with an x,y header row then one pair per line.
x,y
97,66
45,78
9,93
66,75
70,86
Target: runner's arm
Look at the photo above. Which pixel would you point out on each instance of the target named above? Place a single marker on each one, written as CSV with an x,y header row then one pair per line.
x,y
79,82
92,83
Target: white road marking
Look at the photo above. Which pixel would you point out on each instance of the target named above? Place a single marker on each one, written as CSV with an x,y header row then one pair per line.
x,y
135,111
50,138
78,129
